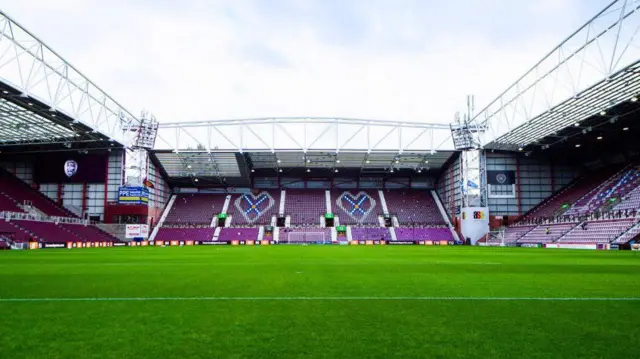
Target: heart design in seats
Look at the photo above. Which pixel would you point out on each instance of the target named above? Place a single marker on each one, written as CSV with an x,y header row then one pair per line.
x,y
253,206
356,206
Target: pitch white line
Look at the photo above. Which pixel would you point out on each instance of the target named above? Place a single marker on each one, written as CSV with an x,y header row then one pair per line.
x,y
143,299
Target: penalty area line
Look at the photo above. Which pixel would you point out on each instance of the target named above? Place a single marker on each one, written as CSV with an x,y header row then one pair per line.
x,y
144,299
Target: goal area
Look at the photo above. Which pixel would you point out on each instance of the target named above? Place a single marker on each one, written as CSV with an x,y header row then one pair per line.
x,y
307,238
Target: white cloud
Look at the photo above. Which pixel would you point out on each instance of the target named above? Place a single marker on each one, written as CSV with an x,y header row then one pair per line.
x,y
397,60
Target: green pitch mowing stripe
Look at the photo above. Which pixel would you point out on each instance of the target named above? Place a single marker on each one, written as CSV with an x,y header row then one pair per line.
x,y
137,299
308,302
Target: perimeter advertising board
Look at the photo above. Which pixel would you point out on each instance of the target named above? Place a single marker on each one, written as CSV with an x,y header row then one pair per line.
x,y
137,231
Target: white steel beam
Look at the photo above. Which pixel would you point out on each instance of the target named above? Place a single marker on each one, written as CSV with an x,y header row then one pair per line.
x,y
597,51
30,66
305,134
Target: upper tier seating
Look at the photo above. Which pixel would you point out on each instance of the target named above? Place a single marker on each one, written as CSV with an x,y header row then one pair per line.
x,y
255,208
238,234
571,194
413,207
304,235
356,206
424,234
21,192
375,234
8,204
185,234
305,206
195,208
616,186
630,202
539,234
598,231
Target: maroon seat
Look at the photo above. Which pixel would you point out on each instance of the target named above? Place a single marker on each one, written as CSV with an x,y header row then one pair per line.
x,y
195,209
48,231
305,206
20,192
184,234
89,233
238,234
16,233
413,207
363,234
424,234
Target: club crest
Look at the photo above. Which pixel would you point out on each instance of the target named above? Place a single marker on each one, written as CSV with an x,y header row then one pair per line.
x,y
70,168
253,206
356,206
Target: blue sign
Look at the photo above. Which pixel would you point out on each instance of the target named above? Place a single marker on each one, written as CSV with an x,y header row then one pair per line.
x,y
133,195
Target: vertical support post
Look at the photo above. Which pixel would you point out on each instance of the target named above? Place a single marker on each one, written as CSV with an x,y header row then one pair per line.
x,y
85,196
60,188
553,177
482,177
106,188
518,193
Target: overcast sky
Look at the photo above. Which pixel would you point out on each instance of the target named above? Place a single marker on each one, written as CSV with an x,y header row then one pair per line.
x,y
409,60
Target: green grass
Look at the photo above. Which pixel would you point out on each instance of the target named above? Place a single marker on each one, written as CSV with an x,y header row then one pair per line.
x,y
319,328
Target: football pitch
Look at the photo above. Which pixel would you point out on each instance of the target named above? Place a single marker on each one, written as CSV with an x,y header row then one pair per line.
x,y
319,302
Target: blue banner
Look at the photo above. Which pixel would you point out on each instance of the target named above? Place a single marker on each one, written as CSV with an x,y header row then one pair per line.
x,y
133,195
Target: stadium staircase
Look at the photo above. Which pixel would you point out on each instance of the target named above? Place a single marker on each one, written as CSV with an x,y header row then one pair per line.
x,y
577,226
165,213
585,201
283,197
327,196
575,191
392,233
383,203
20,191
216,233
444,215
553,198
631,233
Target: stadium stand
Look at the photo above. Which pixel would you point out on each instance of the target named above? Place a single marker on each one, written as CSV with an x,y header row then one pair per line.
x,y
424,234
540,234
305,206
255,208
48,231
185,234
20,192
356,207
569,195
632,233
619,183
238,234
8,204
89,232
629,202
597,231
413,207
361,233
16,233
195,209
